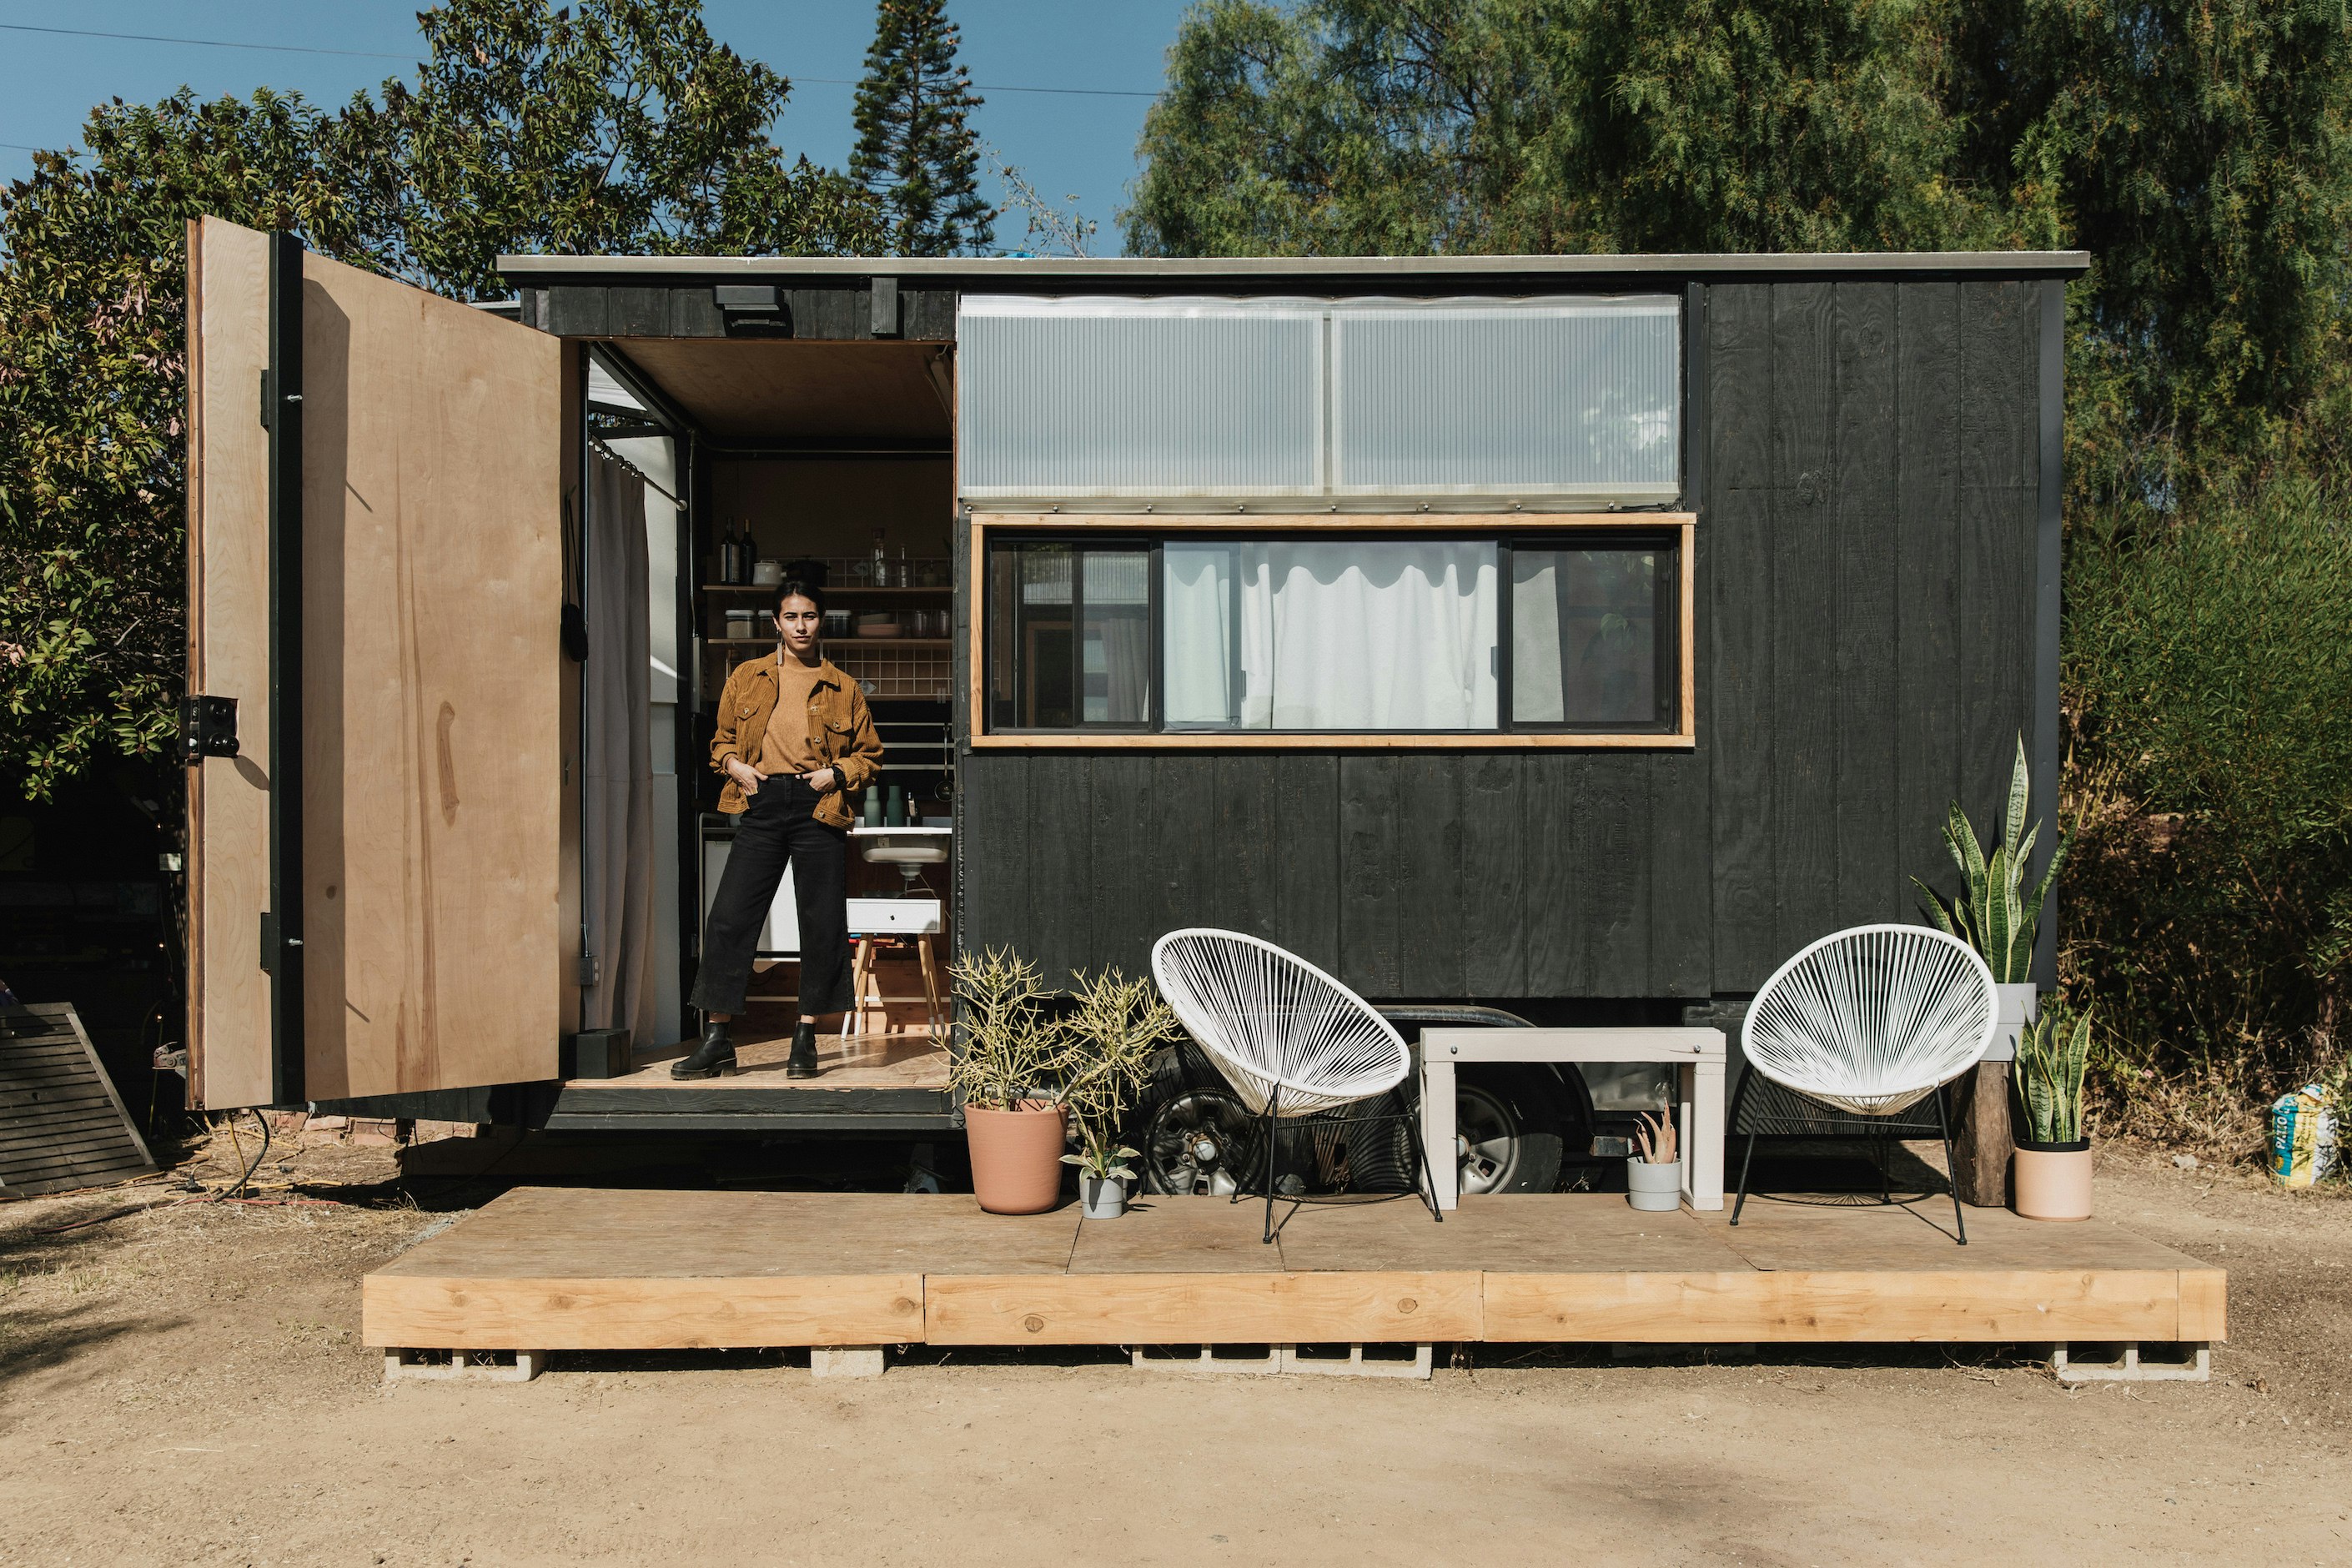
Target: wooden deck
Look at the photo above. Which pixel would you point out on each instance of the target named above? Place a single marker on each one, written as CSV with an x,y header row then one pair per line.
x,y
570,1268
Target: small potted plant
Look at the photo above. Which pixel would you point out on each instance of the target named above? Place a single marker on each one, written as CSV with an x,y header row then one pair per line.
x,y
1653,1178
1994,914
1007,1071
2051,1177
1114,1026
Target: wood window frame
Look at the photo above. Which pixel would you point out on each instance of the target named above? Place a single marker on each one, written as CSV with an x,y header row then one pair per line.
x,y
1683,736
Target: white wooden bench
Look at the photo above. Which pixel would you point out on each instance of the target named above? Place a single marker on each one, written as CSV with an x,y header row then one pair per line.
x,y
1698,1054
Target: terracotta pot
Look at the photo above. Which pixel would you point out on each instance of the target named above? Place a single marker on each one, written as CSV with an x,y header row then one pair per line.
x,y
2053,1180
1016,1156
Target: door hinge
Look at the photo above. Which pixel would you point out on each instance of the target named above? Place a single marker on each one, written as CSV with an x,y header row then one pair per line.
x,y
207,728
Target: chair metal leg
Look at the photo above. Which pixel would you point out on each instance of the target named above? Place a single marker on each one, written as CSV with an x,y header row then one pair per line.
x,y
1738,1098
1951,1173
1420,1163
1273,1128
1745,1160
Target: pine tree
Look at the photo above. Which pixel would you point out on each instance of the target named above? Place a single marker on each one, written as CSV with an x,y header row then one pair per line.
x,y
915,149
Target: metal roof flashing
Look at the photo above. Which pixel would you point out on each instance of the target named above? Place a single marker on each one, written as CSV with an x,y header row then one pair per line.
x,y
998,270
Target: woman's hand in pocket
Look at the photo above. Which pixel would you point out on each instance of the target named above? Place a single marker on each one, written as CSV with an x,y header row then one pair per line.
x,y
744,775
825,781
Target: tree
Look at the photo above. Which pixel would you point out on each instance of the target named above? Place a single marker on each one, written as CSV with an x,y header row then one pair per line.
x,y
1400,127
2197,148
618,125
915,149
92,391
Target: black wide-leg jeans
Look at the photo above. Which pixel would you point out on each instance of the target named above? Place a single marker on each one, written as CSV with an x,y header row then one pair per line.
x,y
778,830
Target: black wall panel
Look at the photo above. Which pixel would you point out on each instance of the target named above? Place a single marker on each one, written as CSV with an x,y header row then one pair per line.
x,y
1868,459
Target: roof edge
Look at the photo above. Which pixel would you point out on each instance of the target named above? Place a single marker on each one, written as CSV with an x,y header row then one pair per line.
x,y
2008,263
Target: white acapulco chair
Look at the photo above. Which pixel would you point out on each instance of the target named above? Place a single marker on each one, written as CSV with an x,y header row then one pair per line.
x,y
1290,1039
1872,1021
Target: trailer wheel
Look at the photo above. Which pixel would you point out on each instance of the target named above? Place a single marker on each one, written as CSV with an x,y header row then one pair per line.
x,y
1194,1135
1507,1133
1197,1141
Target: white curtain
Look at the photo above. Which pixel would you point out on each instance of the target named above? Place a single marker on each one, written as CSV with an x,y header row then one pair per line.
x,y
616,799
1351,635
1535,694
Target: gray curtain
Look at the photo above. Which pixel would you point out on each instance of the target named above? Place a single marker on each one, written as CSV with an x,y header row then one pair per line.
x,y
616,831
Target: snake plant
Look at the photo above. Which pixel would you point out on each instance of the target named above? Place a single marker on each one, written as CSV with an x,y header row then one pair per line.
x,y
2051,1058
1993,915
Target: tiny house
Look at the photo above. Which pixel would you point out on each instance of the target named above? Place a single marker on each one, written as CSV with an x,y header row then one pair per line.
x,y
1575,637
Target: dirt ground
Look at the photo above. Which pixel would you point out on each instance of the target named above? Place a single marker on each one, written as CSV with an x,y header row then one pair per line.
x,y
186,1385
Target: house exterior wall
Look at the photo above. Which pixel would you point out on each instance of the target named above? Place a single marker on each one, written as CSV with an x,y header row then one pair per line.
x,y
1866,454
1865,463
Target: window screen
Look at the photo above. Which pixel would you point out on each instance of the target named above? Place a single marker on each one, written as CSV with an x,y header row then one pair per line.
x,y
1069,636
1593,643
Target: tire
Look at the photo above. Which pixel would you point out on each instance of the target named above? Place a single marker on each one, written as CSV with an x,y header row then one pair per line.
x,y
1510,1130
1191,1132
1193,1135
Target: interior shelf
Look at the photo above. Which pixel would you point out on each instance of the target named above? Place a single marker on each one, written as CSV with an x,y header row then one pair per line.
x,y
866,592
879,644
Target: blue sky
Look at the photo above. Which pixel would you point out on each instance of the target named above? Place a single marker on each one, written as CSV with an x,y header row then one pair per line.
x,y
1066,143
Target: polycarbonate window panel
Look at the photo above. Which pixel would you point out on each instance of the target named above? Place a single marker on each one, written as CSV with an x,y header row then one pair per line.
x,y
1550,397
1138,398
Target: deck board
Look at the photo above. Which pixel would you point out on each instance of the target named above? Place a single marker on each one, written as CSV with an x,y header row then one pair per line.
x,y
558,1269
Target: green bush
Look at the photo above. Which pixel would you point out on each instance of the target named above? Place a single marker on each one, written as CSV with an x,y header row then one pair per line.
x,y
2209,693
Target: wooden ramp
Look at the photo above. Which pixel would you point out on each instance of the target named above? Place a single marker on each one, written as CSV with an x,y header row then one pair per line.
x,y
62,1126
573,1269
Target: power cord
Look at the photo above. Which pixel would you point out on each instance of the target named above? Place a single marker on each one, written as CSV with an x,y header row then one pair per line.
x,y
263,1153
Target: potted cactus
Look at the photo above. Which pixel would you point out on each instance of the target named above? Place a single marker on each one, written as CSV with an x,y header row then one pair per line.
x,y
1994,914
1653,1178
2053,1174
1007,1070
1114,1026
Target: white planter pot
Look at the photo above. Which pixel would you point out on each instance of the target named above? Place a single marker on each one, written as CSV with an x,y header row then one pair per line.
x,y
1655,1188
1103,1197
2017,1007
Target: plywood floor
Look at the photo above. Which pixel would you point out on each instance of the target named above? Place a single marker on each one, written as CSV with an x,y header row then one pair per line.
x,y
564,1268
907,1060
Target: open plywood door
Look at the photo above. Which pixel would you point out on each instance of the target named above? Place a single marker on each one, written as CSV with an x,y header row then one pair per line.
x,y
376,578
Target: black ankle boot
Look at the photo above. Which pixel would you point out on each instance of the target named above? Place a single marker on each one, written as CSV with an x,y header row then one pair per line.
x,y
716,1054
801,1063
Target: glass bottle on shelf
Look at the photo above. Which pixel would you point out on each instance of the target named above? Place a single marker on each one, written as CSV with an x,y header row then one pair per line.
x,y
881,561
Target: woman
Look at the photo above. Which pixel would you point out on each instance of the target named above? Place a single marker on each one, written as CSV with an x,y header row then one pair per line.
x,y
794,743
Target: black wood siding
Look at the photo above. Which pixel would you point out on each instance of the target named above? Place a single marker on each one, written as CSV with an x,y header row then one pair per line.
x,y
1866,462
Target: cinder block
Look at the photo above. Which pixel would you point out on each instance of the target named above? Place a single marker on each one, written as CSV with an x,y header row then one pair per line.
x,y
845,1361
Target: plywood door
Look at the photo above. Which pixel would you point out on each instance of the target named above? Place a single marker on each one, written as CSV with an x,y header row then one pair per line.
x,y
433,759
228,655
431,684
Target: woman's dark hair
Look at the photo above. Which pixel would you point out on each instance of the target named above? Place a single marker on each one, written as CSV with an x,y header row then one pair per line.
x,y
799,588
